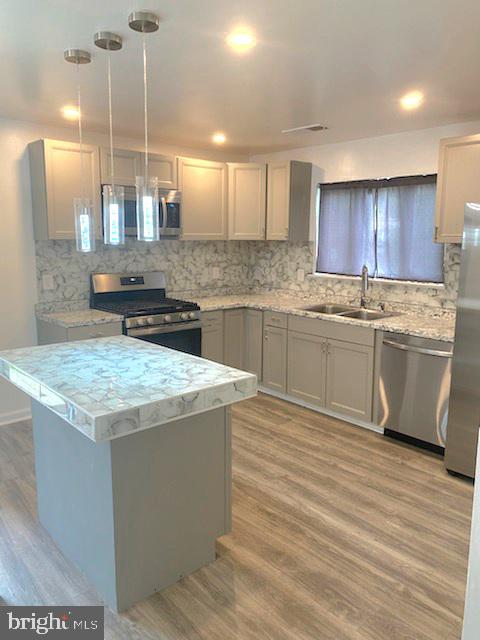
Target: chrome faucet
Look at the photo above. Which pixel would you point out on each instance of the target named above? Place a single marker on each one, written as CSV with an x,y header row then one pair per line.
x,y
363,299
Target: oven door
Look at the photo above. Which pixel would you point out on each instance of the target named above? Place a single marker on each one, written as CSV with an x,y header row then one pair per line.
x,y
186,337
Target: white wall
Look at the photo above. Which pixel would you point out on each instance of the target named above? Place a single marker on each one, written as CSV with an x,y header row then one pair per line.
x,y
400,154
17,252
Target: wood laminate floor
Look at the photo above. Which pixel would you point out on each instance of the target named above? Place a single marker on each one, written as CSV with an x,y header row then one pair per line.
x,y
338,533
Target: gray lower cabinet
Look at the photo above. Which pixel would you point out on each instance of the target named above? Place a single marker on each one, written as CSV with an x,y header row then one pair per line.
x,y
275,358
306,367
349,374
212,335
253,342
234,338
49,333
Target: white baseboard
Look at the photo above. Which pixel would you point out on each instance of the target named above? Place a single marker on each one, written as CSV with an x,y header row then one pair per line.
x,y
358,423
14,416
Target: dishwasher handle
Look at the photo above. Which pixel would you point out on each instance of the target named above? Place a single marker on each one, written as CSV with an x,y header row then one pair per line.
x,y
428,352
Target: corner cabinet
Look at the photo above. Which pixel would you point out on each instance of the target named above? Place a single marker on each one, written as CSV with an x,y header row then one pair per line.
x,y
55,172
253,342
458,182
290,201
212,335
246,201
204,199
275,358
234,338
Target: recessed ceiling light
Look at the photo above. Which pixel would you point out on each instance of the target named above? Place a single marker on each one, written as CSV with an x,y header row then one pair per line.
x,y
70,113
241,40
219,138
411,100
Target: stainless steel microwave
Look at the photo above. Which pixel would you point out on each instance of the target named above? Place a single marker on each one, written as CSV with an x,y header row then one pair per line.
x,y
169,213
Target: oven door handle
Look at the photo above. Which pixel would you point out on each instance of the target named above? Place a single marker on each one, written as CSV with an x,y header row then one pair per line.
x,y
158,330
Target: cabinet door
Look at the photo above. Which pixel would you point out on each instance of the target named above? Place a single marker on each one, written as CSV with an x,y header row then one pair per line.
x,y
278,200
306,367
253,342
275,359
457,183
349,379
204,199
212,335
95,331
63,184
164,168
246,201
234,338
127,166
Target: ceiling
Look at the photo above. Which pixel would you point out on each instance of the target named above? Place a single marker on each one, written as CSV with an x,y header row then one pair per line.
x,y
342,63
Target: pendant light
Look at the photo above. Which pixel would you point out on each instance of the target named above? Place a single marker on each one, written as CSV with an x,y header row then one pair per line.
x,y
82,206
146,187
113,194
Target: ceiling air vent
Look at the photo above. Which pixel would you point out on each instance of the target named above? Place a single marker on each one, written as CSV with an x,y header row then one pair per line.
x,y
307,127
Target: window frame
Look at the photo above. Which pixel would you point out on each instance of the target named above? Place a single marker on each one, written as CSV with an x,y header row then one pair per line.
x,y
374,183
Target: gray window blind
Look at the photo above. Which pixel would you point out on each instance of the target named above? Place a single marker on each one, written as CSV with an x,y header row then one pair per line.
x,y
385,224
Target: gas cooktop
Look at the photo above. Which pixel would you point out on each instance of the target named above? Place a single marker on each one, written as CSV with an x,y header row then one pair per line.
x,y
144,306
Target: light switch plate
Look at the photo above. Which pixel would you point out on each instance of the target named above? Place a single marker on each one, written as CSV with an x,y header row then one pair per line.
x,y
48,283
300,275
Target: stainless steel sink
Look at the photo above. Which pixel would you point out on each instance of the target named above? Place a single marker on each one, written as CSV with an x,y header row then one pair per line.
x,y
329,309
367,314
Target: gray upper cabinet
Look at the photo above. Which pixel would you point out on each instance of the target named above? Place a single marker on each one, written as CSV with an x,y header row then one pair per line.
x,y
204,199
253,341
275,358
234,338
306,367
246,200
349,376
127,165
457,183
290,201
56,181
130,164
212,335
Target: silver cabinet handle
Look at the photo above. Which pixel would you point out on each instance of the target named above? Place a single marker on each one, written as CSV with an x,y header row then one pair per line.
x,y
428,352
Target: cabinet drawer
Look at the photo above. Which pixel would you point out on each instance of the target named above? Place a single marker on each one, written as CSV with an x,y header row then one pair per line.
x,y
333,330
95,331
212,319
272,319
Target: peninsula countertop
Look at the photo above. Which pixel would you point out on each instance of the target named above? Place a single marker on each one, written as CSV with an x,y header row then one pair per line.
x,y
111,387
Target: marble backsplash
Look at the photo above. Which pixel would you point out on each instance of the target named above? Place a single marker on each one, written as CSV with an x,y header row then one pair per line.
x,y
196,269
274,265
190,267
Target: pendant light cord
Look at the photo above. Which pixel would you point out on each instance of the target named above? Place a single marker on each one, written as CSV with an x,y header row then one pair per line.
x,y
110,119
80,135
145,98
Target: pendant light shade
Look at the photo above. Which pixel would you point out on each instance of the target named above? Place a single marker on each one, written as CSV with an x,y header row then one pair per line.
x,y
147,188
148,229
84,225
113,194
113,214
83,211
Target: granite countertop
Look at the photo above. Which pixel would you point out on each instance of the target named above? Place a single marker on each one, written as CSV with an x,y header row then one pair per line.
x,y
423,326
79,318
441,327
111,387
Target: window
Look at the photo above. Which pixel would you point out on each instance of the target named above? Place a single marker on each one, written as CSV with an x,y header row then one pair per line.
x,y
386,224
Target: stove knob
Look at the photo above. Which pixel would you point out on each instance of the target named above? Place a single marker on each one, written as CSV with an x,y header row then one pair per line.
x,y
167,318
133,323
150,321
192,315
184,316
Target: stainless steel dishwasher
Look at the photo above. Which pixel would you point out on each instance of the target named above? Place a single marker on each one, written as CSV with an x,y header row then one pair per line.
x,y
414,388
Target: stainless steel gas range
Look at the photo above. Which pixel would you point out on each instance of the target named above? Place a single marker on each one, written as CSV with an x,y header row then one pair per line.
x,y
148,314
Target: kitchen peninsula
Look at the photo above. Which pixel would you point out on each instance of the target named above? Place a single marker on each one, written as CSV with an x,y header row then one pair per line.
x,y
132,457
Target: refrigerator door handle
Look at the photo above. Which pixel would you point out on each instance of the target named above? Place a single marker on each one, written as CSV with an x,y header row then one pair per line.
x,y
429,352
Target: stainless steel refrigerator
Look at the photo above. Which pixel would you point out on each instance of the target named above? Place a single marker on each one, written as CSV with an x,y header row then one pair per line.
x,y
464,405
